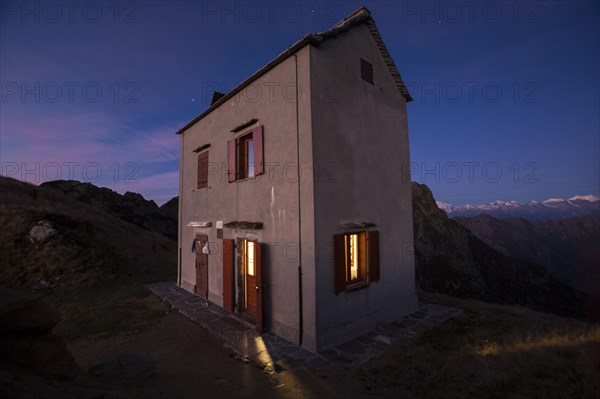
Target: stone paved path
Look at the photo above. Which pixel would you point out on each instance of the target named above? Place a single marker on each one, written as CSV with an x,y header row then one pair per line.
x,y
275,354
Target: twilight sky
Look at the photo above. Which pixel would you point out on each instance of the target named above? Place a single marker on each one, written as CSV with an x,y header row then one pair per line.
x,y
506,94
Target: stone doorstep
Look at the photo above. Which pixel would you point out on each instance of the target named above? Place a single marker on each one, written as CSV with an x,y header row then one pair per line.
x,y
278,354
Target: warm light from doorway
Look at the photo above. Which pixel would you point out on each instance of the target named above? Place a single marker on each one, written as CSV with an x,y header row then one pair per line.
x,y
250,257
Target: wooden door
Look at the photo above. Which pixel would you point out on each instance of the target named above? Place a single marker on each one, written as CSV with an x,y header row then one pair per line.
x,y
228,273
201,287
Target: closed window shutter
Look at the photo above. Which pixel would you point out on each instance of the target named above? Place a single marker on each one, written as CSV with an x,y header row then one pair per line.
x,y
339,263
231,172
203,170
257,137
366,71
373,253
228,280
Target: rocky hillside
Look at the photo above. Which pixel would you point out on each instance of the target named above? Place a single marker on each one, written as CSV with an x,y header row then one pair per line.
x,y
568,248
450,259
48,238
131,207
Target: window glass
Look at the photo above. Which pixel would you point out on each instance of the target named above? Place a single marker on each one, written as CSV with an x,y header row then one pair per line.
x,y
250,164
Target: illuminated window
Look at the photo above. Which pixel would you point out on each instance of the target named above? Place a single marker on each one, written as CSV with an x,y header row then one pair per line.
x,y
356,259
352,257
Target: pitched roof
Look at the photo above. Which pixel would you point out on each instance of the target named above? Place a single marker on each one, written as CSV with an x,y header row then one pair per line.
x,y
360,16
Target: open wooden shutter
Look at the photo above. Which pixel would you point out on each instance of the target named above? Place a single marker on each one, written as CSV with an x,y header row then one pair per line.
x,y
203,170
231,161
228,273
362,256
339,263
259,291
373,254
257,137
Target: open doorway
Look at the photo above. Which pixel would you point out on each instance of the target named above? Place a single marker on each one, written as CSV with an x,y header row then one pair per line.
x,y
242,279
250,275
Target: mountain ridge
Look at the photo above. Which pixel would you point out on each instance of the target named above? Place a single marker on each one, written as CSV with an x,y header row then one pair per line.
x,y
53,239
131,207
549,209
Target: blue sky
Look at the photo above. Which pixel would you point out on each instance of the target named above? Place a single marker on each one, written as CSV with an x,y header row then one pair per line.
x,y
506,94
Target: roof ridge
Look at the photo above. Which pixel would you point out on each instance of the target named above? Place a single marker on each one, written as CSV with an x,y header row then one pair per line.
x,y
358,13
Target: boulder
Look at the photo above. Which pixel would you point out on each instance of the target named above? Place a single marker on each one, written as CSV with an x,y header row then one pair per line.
x,y
42,232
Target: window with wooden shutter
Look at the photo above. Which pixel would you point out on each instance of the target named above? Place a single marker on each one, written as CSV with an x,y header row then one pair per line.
x,y
245,155
202,170
356,259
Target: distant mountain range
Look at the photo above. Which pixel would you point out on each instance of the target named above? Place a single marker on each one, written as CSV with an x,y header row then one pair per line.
x,y
452,260
550,209
568,248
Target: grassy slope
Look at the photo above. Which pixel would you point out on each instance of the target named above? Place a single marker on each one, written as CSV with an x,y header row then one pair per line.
x,y
102,261
493,351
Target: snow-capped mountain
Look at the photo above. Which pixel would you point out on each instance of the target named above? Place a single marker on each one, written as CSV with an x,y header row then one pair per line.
x,y
552,208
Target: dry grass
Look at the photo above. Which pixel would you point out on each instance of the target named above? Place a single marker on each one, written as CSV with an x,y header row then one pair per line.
x,y
495,351
95,313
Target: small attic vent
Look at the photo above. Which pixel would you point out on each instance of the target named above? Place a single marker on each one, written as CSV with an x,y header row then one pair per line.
x,y
366,71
